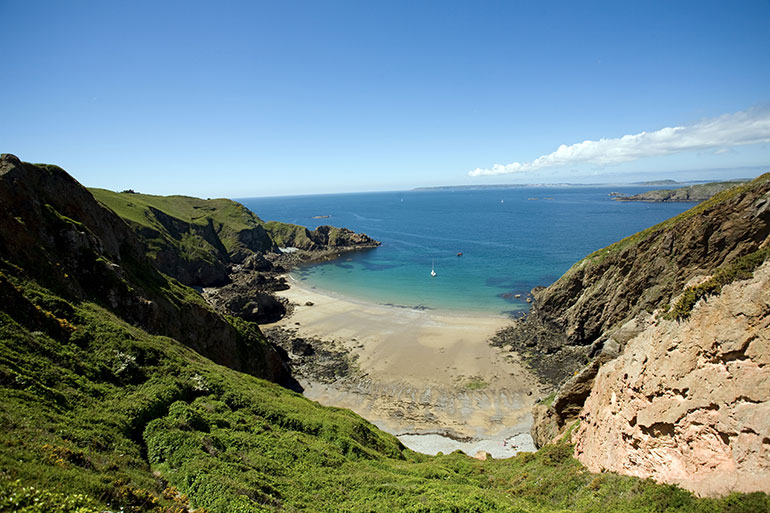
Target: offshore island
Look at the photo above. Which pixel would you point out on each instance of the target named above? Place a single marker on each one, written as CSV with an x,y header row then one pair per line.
x,y
154,357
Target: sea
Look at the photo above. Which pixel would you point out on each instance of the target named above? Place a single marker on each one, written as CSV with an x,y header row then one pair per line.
x,y
488,247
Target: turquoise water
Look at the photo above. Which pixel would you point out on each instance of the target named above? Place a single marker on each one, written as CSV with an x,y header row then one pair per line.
x,y
511,240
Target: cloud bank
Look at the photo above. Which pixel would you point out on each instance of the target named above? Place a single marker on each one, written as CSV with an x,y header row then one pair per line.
x,y
744,127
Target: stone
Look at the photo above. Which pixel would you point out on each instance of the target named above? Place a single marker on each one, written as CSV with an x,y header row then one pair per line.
x,y
688,402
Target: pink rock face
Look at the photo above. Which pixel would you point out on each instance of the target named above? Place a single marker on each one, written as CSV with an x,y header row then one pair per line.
x,y
689,402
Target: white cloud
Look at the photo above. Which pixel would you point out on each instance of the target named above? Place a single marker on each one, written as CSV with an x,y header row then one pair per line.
x,y
745,127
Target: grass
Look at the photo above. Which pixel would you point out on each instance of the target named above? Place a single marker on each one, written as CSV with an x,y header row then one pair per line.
x,y
548,400
289,235
740,269
696,192
106,416
133,206
475,383
98,414
197,230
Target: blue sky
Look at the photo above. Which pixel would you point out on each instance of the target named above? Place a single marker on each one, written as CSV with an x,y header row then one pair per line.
x,y
254,98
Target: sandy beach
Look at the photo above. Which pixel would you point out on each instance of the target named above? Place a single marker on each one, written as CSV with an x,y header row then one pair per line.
x,y
428,376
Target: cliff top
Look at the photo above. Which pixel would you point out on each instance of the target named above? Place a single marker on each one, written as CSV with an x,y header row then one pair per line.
x,y
133,206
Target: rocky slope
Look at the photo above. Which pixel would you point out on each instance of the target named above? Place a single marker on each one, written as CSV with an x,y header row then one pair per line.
x,y
324,237
221,245
54,231
191,239
605,299
688,402
203,242
694,193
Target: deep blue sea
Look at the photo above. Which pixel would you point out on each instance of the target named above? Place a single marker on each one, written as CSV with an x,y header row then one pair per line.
x,y
511,239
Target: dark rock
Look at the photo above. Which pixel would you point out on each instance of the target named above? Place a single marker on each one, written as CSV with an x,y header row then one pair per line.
x,y
54,229
312,358
302,347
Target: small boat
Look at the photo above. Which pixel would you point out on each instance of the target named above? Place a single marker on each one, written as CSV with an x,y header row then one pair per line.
x,y
432,268
459,253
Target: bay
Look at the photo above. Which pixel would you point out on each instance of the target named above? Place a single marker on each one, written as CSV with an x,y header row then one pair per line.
x,y
511,240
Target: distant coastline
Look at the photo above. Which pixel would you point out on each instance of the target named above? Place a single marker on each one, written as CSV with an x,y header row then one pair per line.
x,y
653,183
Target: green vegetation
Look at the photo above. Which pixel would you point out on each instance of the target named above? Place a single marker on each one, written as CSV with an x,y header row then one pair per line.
x,y
740,269
548,400
135,207
99,414
206,232
475,383
289,235
14,496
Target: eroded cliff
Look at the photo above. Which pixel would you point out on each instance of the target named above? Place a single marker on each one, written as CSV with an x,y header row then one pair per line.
x,y
688,402
586,317
54,231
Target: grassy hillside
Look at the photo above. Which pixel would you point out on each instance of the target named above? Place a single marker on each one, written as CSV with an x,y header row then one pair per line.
x,y
191,239
99,414
102,410
289,235
231,215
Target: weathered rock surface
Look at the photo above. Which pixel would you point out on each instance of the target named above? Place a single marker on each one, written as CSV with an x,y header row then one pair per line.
x,y
54,229
609,294
324,237
689,402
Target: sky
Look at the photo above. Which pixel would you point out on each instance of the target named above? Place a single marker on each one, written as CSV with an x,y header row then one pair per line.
x,y
242,99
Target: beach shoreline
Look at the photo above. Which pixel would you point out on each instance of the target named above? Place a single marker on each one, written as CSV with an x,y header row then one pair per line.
x,y
428,376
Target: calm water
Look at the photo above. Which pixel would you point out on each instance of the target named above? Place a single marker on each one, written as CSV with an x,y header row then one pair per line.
x,y
511,240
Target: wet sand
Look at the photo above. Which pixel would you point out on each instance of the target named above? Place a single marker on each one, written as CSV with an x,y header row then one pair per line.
x,y
428,376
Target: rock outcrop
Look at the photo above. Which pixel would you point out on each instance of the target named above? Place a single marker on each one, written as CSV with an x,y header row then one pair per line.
x,y
54,229
640,274
609,294
689,402
693,193
323,238
222,246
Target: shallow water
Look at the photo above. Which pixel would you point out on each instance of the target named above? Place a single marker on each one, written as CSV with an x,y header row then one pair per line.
x,y
511,240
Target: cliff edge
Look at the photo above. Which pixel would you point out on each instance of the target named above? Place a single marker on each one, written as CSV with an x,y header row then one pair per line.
x,y
688,402
586,317
53,231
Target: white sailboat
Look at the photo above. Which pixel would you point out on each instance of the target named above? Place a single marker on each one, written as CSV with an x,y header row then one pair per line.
x,y
432,268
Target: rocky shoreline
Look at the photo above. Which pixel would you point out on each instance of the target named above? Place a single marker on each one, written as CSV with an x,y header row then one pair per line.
x,y
250,293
